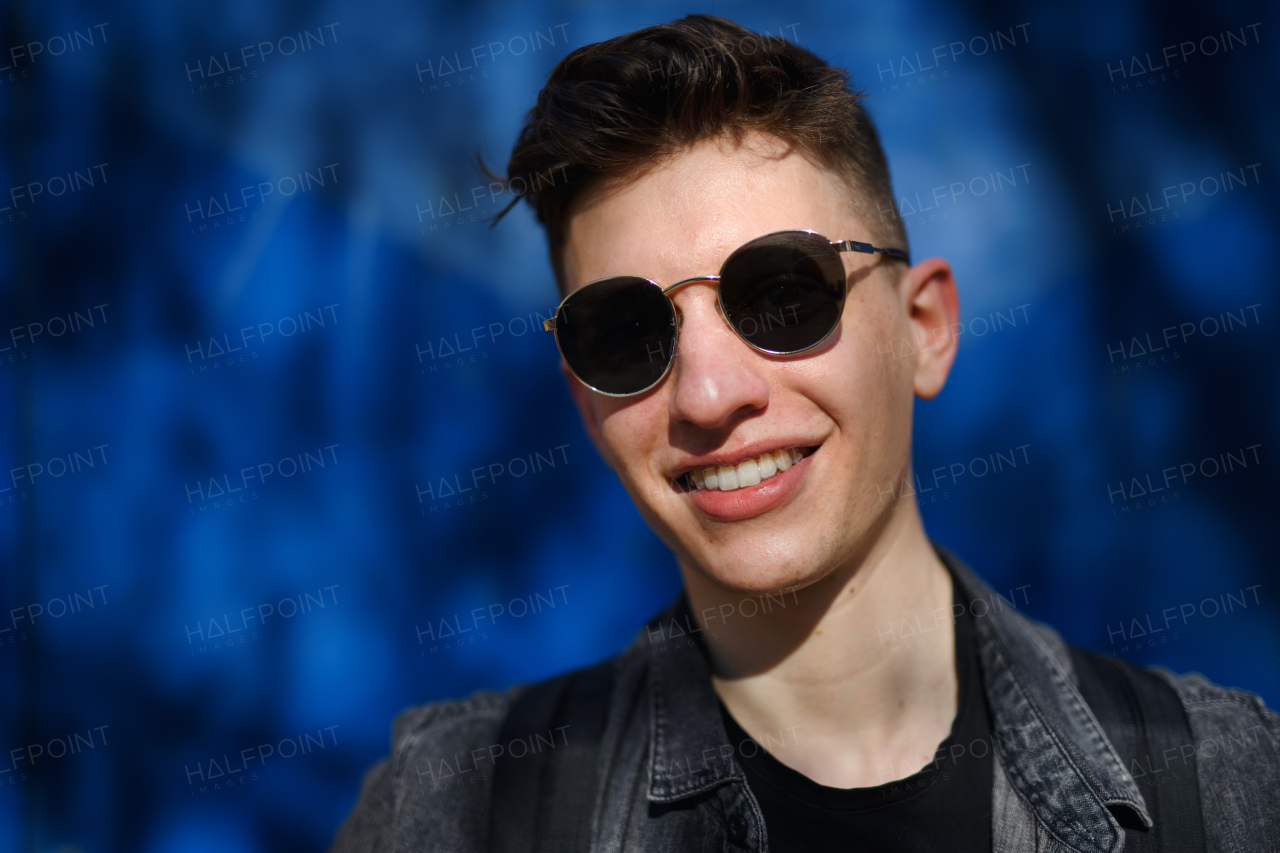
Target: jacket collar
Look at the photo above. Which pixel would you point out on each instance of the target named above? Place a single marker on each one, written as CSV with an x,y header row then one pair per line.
x,y
686,732
1050,745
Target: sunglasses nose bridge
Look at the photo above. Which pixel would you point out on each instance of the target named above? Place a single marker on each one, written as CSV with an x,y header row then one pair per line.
x,y
679,284
670,291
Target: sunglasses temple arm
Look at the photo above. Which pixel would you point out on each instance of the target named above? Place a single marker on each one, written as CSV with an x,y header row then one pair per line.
x,y
868,249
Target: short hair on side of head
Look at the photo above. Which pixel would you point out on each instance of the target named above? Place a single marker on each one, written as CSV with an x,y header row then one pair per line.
x,y
613,109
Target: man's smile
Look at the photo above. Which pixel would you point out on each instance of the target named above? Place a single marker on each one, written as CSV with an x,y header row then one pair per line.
x,y
747,471
745,486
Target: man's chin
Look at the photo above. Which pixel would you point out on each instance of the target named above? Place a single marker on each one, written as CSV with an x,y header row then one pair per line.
x,y
737,578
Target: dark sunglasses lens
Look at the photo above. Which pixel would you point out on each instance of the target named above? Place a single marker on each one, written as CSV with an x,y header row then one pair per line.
x,y
618,335
785,292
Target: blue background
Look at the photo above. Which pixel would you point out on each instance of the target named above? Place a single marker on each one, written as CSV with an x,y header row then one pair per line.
x,y
140,534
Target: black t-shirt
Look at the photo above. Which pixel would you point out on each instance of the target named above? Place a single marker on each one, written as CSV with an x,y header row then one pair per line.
x,y
945,806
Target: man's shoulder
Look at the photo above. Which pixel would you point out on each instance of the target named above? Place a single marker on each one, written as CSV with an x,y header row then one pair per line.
x,y
1235,740
451,721
1218,712
1237,755
435,783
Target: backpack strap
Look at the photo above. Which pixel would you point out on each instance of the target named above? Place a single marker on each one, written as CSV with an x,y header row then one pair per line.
x,y
544,797
1147,724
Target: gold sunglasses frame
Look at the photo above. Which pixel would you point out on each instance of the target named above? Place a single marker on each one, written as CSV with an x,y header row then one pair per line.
x,y
549,325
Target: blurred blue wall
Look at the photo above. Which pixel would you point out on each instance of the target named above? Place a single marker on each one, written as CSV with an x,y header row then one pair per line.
x,y
253,317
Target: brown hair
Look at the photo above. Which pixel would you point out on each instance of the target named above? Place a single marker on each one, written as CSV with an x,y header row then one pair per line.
x,y
612,109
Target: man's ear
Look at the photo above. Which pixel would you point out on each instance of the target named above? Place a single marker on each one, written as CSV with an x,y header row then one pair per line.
x,y
586,408
933,310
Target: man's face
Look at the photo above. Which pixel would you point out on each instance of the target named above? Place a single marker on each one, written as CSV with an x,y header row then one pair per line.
x,y
846,403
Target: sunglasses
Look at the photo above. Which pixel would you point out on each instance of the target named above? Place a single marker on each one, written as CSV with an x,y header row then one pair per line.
x,y
782,294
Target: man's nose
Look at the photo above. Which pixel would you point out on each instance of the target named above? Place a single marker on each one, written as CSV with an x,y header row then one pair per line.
x,y
718,378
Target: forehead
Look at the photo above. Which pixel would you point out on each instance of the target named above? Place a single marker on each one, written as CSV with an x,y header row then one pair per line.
x,y
683,217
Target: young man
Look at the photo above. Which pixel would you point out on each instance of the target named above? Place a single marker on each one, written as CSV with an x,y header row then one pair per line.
x,y
734,302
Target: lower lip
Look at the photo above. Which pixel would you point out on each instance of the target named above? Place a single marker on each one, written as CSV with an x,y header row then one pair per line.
x,y
740,504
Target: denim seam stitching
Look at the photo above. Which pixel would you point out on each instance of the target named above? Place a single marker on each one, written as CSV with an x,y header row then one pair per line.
x,y
1058,825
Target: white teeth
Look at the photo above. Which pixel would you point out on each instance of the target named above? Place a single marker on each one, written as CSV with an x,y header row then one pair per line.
x,y
767,466
748,472
728,478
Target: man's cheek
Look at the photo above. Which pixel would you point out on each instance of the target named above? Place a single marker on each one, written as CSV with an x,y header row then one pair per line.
x,y
631,432
617,434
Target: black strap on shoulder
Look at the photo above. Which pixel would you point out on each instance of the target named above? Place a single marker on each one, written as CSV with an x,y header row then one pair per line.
x,y
547,777
1146,723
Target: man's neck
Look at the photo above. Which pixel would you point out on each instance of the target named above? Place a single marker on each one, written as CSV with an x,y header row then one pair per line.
x,y
860,704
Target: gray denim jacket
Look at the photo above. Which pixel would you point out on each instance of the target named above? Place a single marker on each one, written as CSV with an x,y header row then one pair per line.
x,y
671,783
